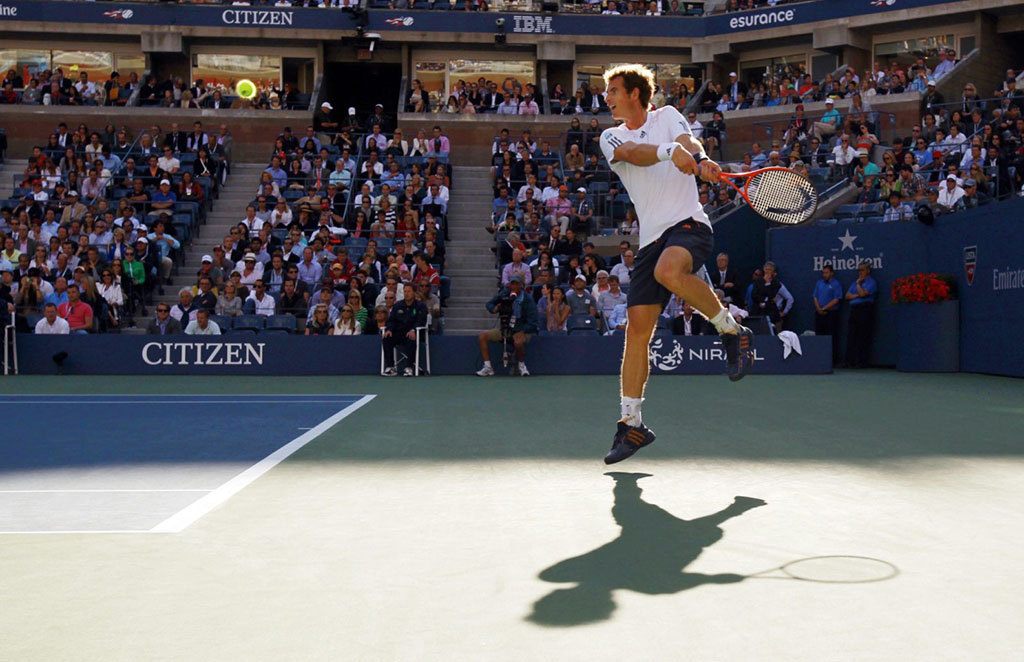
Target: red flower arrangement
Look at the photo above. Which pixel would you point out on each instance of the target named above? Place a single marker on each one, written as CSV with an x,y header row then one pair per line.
x,y
924,288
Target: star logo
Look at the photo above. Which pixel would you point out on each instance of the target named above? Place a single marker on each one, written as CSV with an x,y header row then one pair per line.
x,y
847,240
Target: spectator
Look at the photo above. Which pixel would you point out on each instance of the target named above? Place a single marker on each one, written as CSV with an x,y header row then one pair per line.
x,y
830,121
609,299
516,266
686,323
319,323
951,194
259,301
973,196
202,325
897,210
163,324
77,313
828,295
580,300
945,64
346,324
724,278
624,269
51,324
556,310
528,106
861,297
229,303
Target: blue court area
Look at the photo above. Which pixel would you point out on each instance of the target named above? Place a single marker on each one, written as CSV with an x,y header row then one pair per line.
x,y
144,463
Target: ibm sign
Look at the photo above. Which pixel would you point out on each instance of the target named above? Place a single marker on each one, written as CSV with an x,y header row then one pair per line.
x,y
533,24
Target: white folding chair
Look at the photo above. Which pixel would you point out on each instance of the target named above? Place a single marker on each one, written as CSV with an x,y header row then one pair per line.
x,y
10,348
425,332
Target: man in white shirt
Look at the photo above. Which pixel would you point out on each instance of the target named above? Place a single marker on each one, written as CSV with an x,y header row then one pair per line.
x,y
168,163
51,324
528,106
86,89
259,302
657,158
696,128
624,269
201,325
951,193
509,106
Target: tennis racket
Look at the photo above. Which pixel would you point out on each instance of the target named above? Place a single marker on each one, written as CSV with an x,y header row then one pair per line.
x,y
778,194
838,569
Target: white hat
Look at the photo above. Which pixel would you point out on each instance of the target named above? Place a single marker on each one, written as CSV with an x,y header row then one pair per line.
x,y
581,190
732,74
931,82
951,176
327,105
207,258
829,101
142,240
73,192
165,181
580,277
351,110
249,256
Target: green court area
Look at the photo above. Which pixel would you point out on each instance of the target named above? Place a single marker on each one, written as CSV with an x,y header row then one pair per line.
x,y
857,516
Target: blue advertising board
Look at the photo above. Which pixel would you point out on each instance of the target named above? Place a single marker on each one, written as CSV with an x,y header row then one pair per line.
x,y
360,355
246,17
983,249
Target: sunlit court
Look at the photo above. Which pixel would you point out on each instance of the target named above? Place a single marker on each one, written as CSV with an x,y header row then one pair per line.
x,y
849,516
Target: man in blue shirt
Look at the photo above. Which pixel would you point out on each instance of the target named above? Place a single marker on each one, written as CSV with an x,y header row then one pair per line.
x,y
830,121
279,176
828,294
861,296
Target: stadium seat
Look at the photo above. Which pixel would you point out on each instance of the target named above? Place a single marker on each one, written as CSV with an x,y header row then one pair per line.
x,y
663,322
873,219
284,322
243,332
545,332
825,221
222,321
584,332
663,333
33,319
581,322
247,322
847,211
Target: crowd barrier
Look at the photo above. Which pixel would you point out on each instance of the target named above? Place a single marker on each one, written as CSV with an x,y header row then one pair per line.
x,y
360,355
255,19
982,248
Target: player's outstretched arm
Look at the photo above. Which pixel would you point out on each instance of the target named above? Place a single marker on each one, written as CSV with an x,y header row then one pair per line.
x,y
636,154
707,169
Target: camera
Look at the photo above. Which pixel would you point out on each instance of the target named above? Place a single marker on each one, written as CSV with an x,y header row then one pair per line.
x,y
506,313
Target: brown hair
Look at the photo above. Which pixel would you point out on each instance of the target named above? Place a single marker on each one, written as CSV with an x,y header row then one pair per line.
x,y
634,76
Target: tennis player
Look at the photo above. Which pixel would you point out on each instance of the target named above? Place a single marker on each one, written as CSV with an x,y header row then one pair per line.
x,y
657,158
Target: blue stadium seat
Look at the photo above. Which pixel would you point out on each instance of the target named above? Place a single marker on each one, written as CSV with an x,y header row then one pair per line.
x,y
847,211
223,322
873,219
33,319
663,332
825,221
243,332
545,332
584,332
581,322
663,322
446,288
284,322
247,322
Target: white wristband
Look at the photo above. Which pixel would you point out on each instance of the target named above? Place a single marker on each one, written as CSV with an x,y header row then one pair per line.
x,y
665,150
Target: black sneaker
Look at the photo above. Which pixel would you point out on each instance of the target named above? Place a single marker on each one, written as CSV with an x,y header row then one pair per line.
x,y
628,440
739,353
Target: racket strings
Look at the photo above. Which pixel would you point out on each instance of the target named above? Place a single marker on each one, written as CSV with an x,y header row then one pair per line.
x,y
782,196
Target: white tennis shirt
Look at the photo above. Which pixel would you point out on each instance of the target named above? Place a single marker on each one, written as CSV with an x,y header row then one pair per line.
x,y
663,196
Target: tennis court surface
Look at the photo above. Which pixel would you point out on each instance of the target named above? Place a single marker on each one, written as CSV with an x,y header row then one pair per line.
x,y
468,519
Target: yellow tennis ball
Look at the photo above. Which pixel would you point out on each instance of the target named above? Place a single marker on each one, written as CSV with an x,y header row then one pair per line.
x,y
245,88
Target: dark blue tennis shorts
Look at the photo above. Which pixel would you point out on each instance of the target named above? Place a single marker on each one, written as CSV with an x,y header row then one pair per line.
x,y
692,235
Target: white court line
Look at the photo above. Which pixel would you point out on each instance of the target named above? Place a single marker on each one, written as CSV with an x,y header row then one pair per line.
x,y
179,521
36,533
163,402
89,491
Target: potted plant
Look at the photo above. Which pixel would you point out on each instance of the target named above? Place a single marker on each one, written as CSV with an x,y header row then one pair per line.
x,y
927,323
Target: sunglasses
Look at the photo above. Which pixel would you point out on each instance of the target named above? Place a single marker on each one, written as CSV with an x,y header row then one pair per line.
x,y
163,310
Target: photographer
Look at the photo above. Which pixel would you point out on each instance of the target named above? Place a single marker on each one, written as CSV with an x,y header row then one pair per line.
x,y
517,318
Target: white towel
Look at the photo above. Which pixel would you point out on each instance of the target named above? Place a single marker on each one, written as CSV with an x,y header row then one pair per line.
x,y
790,343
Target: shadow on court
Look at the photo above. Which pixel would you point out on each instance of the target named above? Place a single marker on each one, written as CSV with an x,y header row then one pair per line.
x,y
649,556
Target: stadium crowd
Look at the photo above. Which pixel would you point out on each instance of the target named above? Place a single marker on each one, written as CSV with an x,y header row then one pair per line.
x,y
100,219
344,236
53,88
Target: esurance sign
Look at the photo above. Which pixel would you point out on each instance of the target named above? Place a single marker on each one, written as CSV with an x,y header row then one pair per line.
x,y
762,20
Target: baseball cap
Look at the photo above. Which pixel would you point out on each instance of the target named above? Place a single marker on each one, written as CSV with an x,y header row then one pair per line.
x,y
731,74
931,83
968,183
165,181
336,266
562,188
829,101
207,258
379,105
516,278
1011,79
72,192
142,240
351,110
602,272
580,277
327,105
249,256
862,152
950,177
581,190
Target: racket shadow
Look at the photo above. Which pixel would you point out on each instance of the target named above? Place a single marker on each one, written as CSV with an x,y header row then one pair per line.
x,y
649,556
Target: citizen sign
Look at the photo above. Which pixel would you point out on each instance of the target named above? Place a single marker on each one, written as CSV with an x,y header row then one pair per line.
x,y
203,353
758,20
534,24
256,17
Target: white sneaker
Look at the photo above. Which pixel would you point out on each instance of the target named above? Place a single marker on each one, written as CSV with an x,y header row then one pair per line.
x,y
407,372
389,372
486,371
523,372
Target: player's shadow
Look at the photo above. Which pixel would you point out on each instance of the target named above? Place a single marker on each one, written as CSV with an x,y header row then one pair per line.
x,y
649,556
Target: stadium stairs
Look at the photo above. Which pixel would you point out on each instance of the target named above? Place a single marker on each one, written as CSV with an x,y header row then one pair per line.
x,y
228,209
469,260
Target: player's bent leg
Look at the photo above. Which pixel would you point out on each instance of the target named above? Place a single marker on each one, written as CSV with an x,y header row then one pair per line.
x,y
631,434
674,271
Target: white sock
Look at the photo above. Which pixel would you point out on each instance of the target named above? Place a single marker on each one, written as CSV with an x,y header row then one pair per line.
x,y
487,364
631,411
724,322
522,366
